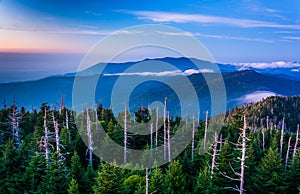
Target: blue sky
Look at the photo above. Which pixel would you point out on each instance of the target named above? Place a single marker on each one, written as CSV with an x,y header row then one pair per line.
x,y
233,31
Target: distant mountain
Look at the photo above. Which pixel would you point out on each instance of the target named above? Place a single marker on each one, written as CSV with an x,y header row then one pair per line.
x,y
238,84
184,63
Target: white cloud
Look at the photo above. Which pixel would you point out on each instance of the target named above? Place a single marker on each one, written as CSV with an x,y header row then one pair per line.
x,y
292,37
70,31
163,73
296,70
197,34
272,65
255,96
165,17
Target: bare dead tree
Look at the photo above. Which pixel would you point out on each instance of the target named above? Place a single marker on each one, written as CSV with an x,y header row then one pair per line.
x,y
263,136
56,130
67,125
287,153
214,156
243,147
46,139
147,181
89,134
156,128
15,126
164,117
267,122
281,137
169,139
296,143
125,132
193,136
205,131
57,137
151,136
243,159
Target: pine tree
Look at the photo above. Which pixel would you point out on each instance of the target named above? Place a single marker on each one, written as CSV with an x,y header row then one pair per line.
x,y
204,183
268,177
156,181
73,187
9,169
108,179
77,172
175,178
56,179
134,183
34,173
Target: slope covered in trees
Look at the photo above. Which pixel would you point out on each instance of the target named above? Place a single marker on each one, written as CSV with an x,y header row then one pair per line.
x,y
42,152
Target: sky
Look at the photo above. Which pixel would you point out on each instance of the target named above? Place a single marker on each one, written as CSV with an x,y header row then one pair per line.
x,y
41,38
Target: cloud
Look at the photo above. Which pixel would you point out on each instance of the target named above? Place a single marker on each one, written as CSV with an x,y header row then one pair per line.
x,y
79,32
255,96
295,70
197,34
92,13
163,73
166,17
272,65
292,37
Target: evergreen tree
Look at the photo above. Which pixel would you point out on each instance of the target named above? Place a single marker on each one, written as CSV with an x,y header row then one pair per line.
x,y
10,174
268,177
204,183
175,178
77,172
134,184
34,173
108,179
56,179
156,181
73,187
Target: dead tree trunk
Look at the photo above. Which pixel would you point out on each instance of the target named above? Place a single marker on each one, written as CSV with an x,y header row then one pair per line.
x,y
67,125
156,128
214,156
193,136
296,143
15,127
165,144
57,137
151,136
56,131
263,136
244,139
147,181
89,134
281,137
287,153
169,139
125,132
205,131
46,140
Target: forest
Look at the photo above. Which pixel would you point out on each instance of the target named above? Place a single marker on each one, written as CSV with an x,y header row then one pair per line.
x,y
42,151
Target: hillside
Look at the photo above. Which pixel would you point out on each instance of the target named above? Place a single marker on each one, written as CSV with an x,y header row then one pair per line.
x,y
238,84
269,112
39,156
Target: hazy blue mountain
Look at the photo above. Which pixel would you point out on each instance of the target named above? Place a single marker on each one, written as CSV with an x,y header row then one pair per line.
x,y
241,86
186,63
